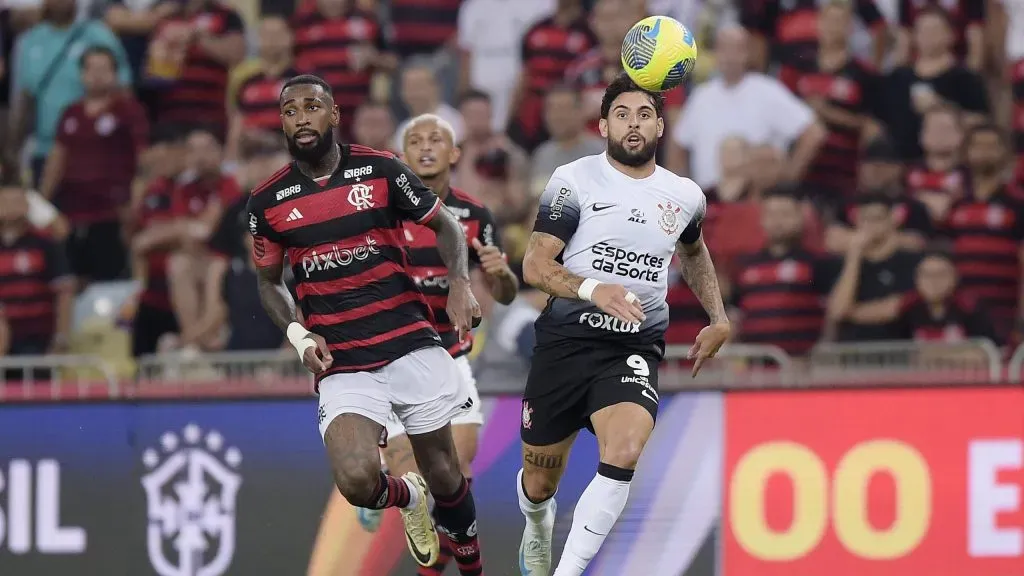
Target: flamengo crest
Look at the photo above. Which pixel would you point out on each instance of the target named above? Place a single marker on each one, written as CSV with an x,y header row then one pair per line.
x,y
191,491
669,219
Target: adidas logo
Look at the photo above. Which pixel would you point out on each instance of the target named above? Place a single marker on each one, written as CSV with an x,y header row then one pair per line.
x,y
294,215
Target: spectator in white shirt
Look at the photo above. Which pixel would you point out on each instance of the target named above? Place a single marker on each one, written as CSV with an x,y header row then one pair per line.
x,y
421,95
742,104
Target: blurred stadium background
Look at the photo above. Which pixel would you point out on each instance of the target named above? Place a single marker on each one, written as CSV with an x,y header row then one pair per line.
x,y
864,163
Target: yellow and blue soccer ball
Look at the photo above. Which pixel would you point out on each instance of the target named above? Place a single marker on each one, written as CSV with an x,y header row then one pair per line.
x,y
658,53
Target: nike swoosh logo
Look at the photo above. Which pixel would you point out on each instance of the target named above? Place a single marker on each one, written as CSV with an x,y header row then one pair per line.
x,y
587,528
599,207
649,396
421,558
655,30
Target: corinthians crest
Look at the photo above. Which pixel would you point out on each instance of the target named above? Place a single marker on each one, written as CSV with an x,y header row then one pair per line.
x,y
669,219
191,489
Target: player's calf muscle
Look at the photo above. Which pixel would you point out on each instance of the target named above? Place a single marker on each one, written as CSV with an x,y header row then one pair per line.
x,y
438,460
352,449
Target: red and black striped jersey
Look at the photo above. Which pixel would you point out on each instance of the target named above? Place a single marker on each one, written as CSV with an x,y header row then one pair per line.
x,y
428,269
987,236
962,13
547,51
853,88
344,240
924,183
257,100
197,96
423,26
325,46
30,268
782,298
958,319
791,29
1017,123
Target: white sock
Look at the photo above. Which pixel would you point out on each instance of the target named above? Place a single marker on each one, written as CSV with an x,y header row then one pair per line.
x,y
414,494
535,513
596,512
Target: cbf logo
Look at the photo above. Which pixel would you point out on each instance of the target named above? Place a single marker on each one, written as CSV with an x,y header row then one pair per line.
x,y
191,491
361,197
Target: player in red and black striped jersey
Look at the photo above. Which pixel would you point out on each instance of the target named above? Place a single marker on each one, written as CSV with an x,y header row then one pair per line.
x,y
790,28
337,211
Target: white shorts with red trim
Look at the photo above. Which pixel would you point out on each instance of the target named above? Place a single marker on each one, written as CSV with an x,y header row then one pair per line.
x,y
424,389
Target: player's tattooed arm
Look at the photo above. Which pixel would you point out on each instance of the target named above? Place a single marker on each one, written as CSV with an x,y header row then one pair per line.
x,y
451,243
699,273
542,271
274,295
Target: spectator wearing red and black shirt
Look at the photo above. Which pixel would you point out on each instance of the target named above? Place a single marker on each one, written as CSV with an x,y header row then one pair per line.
x,y
548,48
936,312
787,31
209,40
345,46
36,287
154,234
987,228
780,291
198,203
592,72
253,113
89,172
422,26
845,94
939,179
967,18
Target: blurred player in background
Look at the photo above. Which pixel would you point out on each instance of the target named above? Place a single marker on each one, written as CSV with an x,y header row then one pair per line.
x,y
338,211
429,149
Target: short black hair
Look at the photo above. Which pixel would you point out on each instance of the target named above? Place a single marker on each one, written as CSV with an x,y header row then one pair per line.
x,y
874,198
474,94
214,132
935,10
623,84
939,252
987,127
98,50
308,80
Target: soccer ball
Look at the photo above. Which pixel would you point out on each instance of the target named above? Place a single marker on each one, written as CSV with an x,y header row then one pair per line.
x,y
658,53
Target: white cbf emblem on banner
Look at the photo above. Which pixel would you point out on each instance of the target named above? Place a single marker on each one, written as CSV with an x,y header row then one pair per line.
x,y
191,492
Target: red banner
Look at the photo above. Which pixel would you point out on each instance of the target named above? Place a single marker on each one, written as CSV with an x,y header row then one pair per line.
x,y
879,483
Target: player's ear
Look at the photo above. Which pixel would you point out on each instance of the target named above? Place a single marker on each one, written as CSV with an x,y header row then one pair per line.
x,y
661,126
602,126
455,154
335,116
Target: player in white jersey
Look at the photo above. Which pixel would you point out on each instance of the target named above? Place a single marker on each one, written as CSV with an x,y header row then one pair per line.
x,y
606,231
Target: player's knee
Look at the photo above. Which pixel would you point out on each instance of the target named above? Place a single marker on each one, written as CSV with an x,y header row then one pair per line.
x,y
538,484
623,451
357,484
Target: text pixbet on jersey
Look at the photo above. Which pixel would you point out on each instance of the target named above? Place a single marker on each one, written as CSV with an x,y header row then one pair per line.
x,y
636,265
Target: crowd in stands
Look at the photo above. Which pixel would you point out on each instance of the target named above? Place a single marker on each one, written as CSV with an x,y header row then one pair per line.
x,y
862,158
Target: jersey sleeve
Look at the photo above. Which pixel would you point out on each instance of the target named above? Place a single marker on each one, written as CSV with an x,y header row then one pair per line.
x,y
266,247
410,197
692,231
559,211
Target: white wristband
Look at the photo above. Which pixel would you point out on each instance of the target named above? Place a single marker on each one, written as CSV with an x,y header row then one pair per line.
x,y
586,291
299,338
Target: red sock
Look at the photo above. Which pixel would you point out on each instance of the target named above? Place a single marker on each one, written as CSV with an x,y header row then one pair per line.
x,y
391,492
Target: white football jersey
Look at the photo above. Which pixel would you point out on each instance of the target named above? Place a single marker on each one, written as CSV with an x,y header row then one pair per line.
x,y
619,230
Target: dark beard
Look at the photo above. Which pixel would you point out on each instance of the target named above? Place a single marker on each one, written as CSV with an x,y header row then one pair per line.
x,y
642,156
314,154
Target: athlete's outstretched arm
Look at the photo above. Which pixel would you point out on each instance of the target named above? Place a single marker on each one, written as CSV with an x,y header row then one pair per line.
x,y
542,271
274,295
463,309
451,243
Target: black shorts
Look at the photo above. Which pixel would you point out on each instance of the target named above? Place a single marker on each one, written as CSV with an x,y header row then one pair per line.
x,y
570,380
